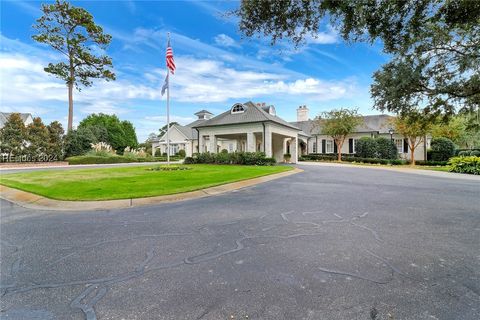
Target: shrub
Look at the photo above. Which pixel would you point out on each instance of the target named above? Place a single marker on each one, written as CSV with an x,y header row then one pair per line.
x,y
78,142
135,153
189,160
224,151
95,159
333,157
169,168
386,148
442,149
466,152
243,158
158,153
182,153
475,153
366,148
468,164
430,163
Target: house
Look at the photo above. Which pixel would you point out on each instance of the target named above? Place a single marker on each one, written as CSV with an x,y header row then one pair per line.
x,y
313,141
181,137
254,127
26,117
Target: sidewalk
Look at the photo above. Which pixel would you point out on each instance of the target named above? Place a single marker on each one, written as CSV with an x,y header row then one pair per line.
x,y
431,173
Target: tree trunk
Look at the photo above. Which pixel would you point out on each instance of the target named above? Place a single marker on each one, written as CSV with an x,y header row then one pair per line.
x,y
70,107
412,155
339,150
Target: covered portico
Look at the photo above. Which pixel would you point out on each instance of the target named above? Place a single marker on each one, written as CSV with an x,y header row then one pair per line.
x,y
275,140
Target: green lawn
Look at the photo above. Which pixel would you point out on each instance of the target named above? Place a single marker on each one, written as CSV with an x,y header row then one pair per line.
x,y
129,182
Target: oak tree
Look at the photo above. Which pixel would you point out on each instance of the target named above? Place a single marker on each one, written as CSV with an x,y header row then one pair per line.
x,y
434,44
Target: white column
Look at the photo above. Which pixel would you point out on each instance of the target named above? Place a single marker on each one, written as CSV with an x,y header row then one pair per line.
x,y
294,150
250,142
213,143
268,142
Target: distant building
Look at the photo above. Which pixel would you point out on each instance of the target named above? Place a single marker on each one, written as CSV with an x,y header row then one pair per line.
x,y
26,117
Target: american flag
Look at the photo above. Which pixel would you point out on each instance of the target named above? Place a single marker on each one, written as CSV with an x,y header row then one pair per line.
x,y
170,61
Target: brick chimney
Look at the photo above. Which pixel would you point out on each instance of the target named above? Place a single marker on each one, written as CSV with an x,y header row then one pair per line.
x,y
302,113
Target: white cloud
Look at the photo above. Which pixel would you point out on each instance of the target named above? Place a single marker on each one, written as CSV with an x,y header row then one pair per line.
x,y
163,119
323,37
225,41
27,87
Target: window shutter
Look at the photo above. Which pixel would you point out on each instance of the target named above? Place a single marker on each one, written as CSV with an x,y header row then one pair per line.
x,y
324,146
334,147
405,145
350,145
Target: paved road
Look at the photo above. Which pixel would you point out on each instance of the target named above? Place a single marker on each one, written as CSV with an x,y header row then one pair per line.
x,y
328,243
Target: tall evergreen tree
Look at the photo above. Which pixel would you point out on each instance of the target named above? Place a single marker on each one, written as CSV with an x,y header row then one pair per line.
x,y
13,135
72,32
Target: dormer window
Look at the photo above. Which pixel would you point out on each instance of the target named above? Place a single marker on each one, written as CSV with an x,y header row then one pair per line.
x,y
272,111
238,108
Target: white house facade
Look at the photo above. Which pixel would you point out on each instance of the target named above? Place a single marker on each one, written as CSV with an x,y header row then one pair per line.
x,y
372,126
255,127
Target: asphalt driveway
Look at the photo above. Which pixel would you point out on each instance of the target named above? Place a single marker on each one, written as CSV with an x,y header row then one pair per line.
x,y
328,243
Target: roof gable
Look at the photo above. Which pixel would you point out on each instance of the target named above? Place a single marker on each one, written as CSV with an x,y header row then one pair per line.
x,y
252,113
375,123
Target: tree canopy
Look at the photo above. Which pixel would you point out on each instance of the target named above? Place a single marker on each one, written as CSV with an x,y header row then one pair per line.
x,y
163,129
72,32
13,135
118,134
434,44
414,126
338,123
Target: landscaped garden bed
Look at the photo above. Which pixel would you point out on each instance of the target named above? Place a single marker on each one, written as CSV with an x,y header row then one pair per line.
x,y
130,182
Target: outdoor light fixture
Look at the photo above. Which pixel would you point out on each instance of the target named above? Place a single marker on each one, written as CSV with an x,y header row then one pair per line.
x,y
391,133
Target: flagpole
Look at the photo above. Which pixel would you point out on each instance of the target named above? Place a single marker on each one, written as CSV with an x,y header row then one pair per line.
x,y
168,111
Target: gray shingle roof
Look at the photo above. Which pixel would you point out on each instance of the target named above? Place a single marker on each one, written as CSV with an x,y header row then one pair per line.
x,y
251,114
202,112
376,123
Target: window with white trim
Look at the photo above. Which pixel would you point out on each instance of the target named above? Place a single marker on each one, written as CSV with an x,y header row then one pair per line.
x,y
329,146
399,144
314,149
230,147
355,145
238,108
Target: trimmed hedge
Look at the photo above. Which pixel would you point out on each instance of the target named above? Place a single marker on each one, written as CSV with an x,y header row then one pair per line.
x,y
243,158
366,147
113,159
470,164
376,148
441,149
466,153
430,163
346,158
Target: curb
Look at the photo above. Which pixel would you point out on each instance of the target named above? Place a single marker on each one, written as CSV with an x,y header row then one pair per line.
x,y
33,201
430,173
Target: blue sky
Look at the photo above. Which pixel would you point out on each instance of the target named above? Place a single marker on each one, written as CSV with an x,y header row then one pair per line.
x,y
215,66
